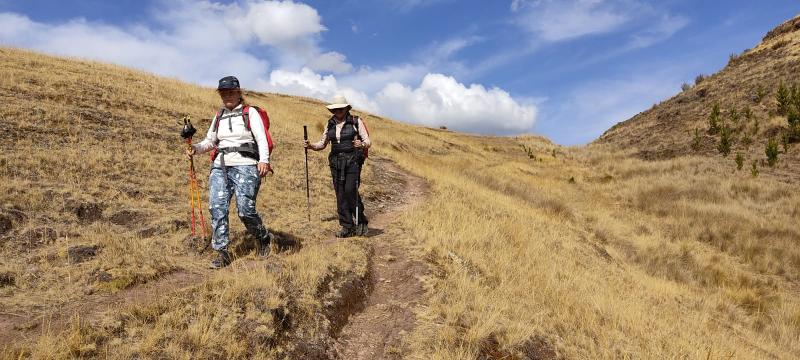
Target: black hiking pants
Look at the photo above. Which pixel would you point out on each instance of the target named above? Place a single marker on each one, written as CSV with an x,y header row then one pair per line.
x,y
346,175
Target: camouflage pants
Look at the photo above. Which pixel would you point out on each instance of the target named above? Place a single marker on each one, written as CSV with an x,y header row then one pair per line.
x,y
244,182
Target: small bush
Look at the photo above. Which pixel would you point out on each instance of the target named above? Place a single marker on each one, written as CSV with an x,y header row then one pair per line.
x,y
697,141
725,140
746,140
754,169
700,78
528,151
686,87
772,152
784,98
734,115
739,161
733,57
794,93
714,119
793,117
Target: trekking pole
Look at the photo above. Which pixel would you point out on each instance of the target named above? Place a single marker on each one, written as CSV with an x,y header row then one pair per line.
x,y
194,190
308,191
357,198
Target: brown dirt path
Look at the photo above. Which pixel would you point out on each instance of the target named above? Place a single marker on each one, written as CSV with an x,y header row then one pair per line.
x,y
377,332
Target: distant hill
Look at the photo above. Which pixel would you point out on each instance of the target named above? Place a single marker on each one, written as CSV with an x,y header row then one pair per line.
x,y
750,80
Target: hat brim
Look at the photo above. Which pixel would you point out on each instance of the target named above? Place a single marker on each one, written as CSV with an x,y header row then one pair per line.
x,y
332,107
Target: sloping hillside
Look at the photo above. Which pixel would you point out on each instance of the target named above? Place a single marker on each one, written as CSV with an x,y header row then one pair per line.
x,y
522,249
750,81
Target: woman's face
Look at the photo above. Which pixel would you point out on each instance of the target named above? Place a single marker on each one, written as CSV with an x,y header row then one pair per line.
x,y
339,113
230,98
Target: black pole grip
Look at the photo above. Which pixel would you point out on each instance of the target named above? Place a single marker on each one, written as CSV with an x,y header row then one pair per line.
x,y
305,132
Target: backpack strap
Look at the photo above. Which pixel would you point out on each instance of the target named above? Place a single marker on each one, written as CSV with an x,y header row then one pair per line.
x,y
215,125
246,117
355,126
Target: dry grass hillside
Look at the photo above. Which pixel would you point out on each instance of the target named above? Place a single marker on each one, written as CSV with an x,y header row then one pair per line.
x,y
533,251
746,92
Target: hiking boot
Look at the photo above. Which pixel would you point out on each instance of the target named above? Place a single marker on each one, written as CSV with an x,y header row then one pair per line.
x,y
345,233
362,230
222,260
263,245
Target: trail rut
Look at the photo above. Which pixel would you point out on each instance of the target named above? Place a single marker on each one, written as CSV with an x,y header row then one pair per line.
x,y
378,331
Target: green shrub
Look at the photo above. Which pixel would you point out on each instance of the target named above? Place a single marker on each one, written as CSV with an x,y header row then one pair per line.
x,y
784,98
733,115
739,161
794,92
714,119
772,152
746,140
793,117
686,87
700,78
725,140
697,141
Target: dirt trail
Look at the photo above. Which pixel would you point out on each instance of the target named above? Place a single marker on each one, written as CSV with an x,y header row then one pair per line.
x,y
374,333
377,332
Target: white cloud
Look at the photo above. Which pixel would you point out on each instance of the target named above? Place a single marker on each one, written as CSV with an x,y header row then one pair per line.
x,y
192,43
408,5
558,20
277,22
199,41
330,61
665,26
438,100
441,100
562,20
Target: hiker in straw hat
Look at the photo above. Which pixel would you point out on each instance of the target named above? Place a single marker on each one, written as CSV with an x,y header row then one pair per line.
x,y
349,140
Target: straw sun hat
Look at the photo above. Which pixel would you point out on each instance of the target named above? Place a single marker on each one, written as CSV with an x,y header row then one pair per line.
x,y
338,102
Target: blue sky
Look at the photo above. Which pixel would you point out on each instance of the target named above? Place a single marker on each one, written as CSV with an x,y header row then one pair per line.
x,y
566,69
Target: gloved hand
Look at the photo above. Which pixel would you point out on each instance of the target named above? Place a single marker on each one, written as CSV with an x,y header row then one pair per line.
x,y
188,130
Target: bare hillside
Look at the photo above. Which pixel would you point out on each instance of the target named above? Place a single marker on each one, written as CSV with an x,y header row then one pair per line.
x,y
747,86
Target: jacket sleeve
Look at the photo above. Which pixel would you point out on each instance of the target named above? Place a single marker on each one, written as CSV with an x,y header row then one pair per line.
x,y
208,143
364,134
322,143
259,134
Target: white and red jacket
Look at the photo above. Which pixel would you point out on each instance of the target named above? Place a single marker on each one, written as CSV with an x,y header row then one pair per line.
x,y
231,132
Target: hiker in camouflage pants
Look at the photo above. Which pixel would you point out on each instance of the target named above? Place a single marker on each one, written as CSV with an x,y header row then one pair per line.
x,y
240,155
244,182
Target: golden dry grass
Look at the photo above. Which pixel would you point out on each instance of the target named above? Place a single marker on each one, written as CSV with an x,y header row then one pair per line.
x,y
581,253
